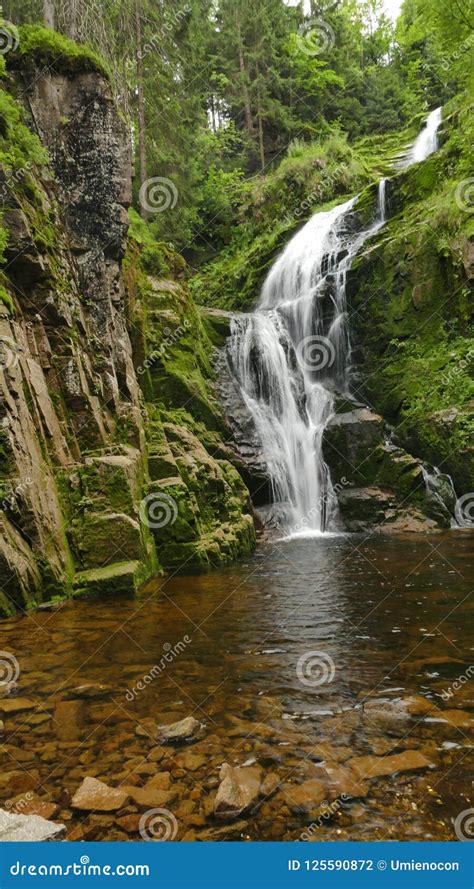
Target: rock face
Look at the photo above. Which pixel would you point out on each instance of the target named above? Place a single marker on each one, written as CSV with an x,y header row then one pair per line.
x,y
28,829
71,424
377,483
79,316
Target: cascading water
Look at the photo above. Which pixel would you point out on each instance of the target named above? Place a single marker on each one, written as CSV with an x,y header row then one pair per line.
x,y
426,142
292,354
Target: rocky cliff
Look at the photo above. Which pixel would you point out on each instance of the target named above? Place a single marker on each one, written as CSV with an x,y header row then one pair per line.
x,y
78,510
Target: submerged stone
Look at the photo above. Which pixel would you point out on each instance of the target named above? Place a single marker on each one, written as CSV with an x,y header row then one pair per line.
x,y
239,789
95,796
183,732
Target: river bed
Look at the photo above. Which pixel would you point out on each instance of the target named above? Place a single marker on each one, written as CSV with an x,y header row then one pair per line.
x,y
300,660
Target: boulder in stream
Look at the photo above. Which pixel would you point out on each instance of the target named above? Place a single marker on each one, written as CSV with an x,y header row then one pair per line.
x,y
239,789
183,732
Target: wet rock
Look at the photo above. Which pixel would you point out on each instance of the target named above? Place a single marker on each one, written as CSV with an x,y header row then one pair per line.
x,y
16,705
95,796
90,690
457,718
270,784
220,834
69,719
305,797
44,808
183,732
28,829
146,729
150,797
238,790
129,823
190,761
379,766
327,752
344,782
18,781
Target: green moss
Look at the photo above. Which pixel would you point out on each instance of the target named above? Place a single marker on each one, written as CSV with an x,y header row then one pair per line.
x,y
42,47
412,324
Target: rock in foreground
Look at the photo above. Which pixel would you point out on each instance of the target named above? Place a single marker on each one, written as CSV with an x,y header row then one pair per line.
x,y
28,829
183,732
95,796
238,790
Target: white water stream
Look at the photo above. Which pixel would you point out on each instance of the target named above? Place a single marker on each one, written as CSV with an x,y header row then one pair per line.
x,y
292,354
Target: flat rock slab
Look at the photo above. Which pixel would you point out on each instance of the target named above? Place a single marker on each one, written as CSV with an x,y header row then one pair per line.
x,y
380,766
305,797
16,705
28,829
95,796
183,732
344,781
239,789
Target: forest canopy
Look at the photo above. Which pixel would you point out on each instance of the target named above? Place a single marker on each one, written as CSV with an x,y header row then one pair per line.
x,y
217,91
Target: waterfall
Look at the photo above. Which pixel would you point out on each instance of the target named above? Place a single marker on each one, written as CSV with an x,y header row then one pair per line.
x,y
426,142
291,356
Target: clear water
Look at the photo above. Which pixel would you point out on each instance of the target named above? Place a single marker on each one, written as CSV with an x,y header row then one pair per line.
x,y
395,617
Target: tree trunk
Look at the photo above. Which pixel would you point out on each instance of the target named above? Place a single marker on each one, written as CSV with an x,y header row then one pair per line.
x,y
243,73
261,145
48,13
141,102
73,19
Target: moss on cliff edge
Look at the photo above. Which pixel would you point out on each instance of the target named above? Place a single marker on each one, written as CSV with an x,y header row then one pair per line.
x,y
197,504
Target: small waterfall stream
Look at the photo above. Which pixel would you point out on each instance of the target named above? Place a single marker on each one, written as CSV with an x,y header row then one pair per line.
x,y
291,357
